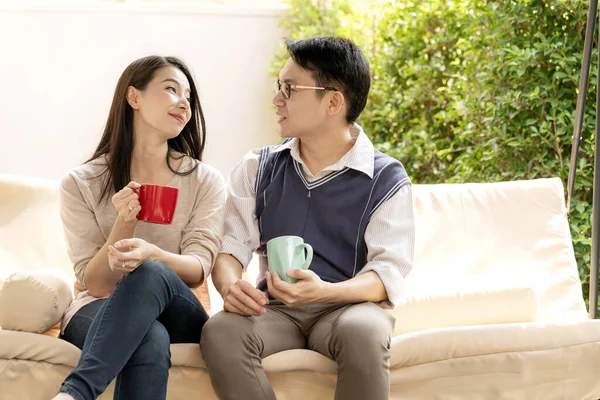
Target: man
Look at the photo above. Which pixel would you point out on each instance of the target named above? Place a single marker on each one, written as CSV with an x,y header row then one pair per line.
x,y
351,203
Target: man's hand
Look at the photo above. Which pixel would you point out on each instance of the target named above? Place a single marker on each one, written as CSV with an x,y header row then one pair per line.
x,y
244,299
309,289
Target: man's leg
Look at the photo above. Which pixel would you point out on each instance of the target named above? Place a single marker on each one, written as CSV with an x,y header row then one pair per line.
x,y
233,346
358,338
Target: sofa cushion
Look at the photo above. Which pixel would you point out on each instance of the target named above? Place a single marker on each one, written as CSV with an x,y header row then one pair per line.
x,y
34,301
31,235
464,308
490,235
34,347
31,232
434,345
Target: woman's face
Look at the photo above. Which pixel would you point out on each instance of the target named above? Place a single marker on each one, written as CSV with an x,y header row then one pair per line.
x,y
164,106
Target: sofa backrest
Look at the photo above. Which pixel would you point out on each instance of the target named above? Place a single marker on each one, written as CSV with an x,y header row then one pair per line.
x,y
31,232
490,236
31,235
469,237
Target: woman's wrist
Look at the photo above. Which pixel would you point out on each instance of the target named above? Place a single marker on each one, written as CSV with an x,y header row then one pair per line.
x,y
121,224
157,254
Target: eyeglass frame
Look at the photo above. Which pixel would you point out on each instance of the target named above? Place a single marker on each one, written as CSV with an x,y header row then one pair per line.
x,y
279,85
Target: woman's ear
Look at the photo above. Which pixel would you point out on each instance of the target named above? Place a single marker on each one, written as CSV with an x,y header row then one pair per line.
x,y
336,103
133,97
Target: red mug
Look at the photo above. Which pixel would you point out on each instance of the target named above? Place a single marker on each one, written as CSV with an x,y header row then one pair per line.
x,y
158,203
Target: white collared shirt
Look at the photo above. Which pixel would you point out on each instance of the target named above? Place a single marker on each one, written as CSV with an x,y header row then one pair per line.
x,y
389,236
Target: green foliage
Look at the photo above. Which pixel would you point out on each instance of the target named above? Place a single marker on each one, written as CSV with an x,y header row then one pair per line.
x,y
471,91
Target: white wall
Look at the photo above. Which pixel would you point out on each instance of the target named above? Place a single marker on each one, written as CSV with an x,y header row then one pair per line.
x,y
59,66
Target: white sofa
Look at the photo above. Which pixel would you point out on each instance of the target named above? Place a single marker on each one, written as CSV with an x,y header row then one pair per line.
x,y
494,307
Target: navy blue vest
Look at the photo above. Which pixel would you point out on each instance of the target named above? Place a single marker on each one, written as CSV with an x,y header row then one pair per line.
x,y
331,214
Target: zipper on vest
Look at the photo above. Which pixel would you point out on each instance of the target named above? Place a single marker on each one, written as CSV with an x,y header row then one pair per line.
x,y
308,194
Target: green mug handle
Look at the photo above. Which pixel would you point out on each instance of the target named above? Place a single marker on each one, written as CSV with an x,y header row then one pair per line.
x,y
309,253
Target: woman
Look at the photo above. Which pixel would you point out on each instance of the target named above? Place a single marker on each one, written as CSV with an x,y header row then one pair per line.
x,y
137,276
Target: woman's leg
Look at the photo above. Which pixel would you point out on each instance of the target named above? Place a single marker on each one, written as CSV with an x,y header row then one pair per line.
x,y
79,325
121,332
146,373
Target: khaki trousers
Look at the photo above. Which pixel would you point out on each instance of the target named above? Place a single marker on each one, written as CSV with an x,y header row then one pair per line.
x,y
356,336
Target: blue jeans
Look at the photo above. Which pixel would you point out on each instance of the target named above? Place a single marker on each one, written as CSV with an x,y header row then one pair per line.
x,y
128,335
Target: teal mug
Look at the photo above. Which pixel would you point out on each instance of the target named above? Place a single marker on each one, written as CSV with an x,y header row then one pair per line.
x,y
286,253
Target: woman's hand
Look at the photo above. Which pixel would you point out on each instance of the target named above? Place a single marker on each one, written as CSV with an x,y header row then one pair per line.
x,y
127,254
127,203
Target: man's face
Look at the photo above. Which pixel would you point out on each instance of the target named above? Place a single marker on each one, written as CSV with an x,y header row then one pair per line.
x,y
304,113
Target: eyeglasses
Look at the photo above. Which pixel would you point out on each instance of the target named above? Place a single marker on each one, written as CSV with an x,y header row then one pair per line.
x,y
286,88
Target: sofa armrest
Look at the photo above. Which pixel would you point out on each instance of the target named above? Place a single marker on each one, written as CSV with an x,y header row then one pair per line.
x,y
34,301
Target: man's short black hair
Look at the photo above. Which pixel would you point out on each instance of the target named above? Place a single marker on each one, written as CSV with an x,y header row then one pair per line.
x,y
335,62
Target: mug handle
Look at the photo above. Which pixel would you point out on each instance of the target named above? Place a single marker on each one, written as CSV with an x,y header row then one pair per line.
x,y
309,253
137,191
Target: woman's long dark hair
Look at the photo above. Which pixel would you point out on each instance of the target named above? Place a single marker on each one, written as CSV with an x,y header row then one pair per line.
x,y
117,140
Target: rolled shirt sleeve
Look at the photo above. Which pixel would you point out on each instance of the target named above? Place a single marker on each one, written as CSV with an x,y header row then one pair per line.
x,y
390,240
241,234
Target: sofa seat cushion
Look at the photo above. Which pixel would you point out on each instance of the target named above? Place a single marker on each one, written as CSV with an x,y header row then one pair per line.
x,y
189,355
448,343
407,350
36,347
34,301
538,356
558,373
441,344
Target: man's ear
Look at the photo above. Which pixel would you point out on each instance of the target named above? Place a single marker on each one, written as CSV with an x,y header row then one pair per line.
x,y
337,103
133,97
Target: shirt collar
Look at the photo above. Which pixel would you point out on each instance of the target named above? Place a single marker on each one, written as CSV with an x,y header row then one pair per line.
x,y
361,157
